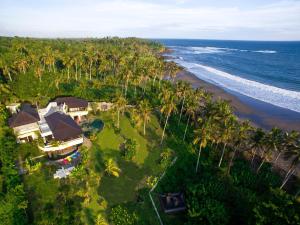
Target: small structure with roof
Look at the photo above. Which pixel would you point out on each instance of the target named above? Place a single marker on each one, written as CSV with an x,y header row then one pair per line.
x,y
172,202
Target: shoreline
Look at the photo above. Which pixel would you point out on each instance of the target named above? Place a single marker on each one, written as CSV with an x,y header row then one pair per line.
x,y
260,114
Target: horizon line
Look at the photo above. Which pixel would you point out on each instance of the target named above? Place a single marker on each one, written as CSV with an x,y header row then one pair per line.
x,y
149,38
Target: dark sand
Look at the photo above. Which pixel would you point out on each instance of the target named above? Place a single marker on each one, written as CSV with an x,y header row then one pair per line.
x,y
260,114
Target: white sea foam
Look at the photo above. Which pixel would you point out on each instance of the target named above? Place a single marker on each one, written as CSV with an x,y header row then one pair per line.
x,y
266,51
267,93
212,50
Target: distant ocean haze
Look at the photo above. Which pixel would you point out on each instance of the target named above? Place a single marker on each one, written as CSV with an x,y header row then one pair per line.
x,y
267,71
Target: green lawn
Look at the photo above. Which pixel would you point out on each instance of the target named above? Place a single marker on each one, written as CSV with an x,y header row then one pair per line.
x,y
110,191
124,189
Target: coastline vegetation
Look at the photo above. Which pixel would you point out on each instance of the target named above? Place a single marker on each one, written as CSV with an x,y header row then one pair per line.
x,y
227,169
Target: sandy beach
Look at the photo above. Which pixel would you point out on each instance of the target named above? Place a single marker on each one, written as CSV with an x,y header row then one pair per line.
x,y
260,114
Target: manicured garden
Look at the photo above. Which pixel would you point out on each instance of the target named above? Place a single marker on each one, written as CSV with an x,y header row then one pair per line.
x,y
103,191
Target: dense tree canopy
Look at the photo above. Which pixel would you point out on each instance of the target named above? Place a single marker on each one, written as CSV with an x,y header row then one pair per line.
x,y
224,167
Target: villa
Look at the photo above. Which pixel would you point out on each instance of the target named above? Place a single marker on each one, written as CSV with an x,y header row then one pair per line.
x,y
57,125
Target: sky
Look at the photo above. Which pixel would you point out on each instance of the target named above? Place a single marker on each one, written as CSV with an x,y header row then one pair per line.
x,y
194,19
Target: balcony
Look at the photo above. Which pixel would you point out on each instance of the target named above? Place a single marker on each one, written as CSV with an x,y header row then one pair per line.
x,y
26,129
62,145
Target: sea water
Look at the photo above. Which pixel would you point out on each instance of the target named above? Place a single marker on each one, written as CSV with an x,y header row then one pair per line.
x,y
267,71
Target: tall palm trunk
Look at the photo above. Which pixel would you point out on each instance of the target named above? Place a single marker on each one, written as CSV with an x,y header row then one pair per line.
x,y
186,127
9,76
221,159
253,156
163,134
144,126
118,118
76,71
126,86
288,176
181,110
53,65
68,73
231,161
91,71
261,164
278,155
198,159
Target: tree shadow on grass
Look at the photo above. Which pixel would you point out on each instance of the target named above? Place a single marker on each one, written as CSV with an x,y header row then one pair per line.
x,y
122,189
88,214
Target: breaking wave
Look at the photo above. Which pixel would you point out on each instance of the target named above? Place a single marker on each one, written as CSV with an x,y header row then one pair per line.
x,y
211,50
267,93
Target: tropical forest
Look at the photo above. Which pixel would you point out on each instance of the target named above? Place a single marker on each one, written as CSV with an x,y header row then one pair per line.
x,y
160,136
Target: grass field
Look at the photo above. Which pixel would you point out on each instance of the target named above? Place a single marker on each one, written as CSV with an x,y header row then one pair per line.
x,y
129,189
124,190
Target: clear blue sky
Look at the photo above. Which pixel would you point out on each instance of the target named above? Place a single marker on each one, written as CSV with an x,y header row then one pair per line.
x,y
205,19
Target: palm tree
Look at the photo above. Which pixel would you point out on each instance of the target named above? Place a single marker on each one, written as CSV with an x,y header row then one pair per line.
x,y
275,140
182,90
67,63
257,140
6,69
191,109
111,168
173,69
266,154
120,104
168,106
143,113
292,153
240,139
225,121
22,64
38,72
128,76
227,128
202,135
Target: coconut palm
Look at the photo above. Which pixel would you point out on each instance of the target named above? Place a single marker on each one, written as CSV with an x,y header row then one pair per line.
x,y
168,106
6,68
202,135
38,72
67,63
266,153
257,140
224,121
239,139
182,90
143,113
275,140
227,130
120,104
194,99
111,168
292,153
21,64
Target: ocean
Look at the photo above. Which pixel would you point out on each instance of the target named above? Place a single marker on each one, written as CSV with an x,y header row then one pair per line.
x,y
266,71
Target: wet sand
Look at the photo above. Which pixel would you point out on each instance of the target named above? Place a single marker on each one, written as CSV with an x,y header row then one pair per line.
x,y
260,114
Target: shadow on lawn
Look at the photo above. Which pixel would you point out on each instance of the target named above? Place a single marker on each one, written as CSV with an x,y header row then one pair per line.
x,y
122,189
88,214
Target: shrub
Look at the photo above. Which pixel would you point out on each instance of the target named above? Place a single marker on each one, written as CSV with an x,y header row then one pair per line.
x,y
165,157
100,220
120,216
128,150
151,181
